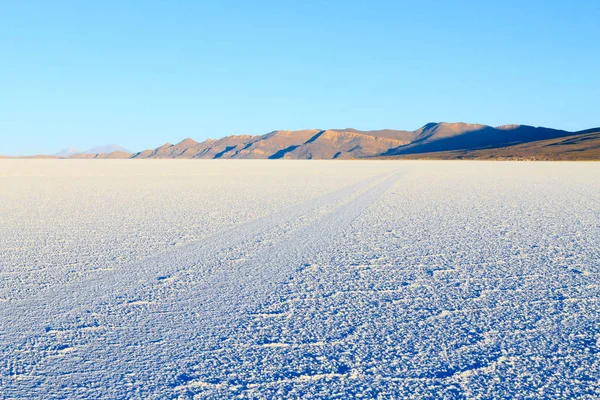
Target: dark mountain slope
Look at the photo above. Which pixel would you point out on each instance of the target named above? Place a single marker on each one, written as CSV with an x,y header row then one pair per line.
x,y
460,136
575,147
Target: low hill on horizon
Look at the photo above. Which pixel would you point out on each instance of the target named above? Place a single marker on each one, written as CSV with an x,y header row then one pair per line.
x,y
105,149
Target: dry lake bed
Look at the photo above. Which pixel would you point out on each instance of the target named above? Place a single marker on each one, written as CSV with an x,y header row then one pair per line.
x,y
299,279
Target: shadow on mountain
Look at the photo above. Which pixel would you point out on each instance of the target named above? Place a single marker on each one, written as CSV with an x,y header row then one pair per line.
x,y
227,149
283,152
312,139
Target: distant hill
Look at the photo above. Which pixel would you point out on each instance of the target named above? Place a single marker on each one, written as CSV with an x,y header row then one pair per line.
x,y
67,152
432,141
73,152
113,154
106,149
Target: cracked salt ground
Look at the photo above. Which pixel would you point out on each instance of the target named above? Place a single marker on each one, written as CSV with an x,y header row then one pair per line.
x,y
376,280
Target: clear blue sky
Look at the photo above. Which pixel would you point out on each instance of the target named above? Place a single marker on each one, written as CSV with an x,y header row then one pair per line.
x,y
140,73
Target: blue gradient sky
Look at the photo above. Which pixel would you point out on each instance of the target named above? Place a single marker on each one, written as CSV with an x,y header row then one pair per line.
x,y
140,73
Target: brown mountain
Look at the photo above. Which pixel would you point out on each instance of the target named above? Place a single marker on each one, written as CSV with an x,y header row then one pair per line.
x,y
305,144
434,140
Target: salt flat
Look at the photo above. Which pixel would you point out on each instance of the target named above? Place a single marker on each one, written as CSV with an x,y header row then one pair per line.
x,y
300,279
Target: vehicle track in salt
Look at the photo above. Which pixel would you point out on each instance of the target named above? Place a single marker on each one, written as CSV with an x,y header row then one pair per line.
x,y
88,315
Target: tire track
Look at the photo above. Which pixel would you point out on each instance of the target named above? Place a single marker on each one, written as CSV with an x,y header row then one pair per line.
x,y
219,301
120,280
207,316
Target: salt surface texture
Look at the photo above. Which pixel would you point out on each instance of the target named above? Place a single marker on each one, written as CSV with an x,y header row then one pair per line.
x,y
313,279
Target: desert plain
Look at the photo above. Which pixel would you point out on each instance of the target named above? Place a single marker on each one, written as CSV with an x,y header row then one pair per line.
x,y
299,279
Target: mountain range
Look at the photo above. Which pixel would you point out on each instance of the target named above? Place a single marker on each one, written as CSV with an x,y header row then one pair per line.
x,y
432,141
